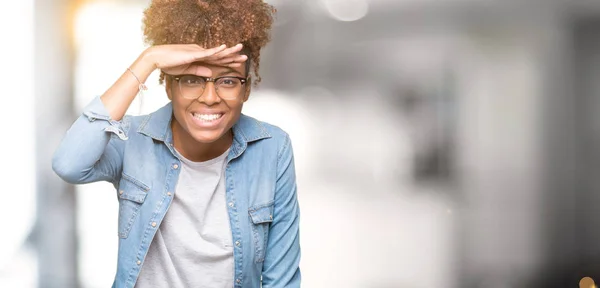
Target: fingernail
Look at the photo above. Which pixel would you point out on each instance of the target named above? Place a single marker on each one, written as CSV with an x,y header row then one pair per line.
x,y
223,46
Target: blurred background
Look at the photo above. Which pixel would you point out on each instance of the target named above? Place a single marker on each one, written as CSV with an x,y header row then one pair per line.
x,y
449,143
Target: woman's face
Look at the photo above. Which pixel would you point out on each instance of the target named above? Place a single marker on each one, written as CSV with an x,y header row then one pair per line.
x,y
208,117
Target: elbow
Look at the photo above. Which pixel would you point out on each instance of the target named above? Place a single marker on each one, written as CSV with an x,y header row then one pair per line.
x,y
64,170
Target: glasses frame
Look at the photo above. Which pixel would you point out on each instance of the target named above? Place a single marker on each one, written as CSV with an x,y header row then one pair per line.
x,y
207,80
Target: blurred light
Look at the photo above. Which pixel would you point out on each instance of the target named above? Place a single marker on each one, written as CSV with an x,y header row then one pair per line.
x,y
18,262
587,282
346,10
284,110
286,10
18,205
108,38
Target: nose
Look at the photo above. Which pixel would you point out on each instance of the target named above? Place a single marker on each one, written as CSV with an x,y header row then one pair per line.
x,y
209,96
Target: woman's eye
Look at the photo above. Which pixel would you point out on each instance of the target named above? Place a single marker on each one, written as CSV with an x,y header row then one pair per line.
x,y
192,81
228,82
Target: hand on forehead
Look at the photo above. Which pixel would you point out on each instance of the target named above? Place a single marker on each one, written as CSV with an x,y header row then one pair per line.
x,y
199,69
227,61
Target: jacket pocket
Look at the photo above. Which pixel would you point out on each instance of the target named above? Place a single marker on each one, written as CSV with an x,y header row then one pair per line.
x,y
262,217
132,194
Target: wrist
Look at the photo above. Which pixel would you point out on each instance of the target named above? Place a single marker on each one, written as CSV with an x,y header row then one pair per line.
x,y
144,65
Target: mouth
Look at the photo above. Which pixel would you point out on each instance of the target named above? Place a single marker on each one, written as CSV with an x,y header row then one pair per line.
x,y
207,120
207,117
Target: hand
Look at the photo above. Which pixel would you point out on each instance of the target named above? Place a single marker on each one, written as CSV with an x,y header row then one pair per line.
x,y
178,59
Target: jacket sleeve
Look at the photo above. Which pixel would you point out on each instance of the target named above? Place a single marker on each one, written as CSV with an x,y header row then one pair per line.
x,y
281,267
92,149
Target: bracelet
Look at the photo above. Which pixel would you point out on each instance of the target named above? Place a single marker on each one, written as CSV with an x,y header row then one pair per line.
x,y
142,86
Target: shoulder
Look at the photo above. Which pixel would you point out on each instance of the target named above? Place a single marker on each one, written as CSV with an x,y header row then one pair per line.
x,y
268,133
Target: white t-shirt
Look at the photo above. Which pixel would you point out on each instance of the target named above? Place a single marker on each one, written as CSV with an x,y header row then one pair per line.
x,y
193,245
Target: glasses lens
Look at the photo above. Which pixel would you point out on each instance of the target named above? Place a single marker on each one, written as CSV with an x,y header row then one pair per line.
x,y
229,87
191,86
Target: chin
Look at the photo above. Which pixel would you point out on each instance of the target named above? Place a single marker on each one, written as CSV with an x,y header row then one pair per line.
x,y
207,137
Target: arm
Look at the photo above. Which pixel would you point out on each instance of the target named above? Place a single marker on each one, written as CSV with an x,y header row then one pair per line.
x,y
92,149
281,266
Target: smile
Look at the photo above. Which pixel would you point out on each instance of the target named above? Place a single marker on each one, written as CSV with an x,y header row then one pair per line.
x,y
207,117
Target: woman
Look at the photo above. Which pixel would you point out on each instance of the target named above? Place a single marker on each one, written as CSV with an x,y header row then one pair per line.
x,y
207,195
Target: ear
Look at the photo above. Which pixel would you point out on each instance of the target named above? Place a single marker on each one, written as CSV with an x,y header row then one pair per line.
x,y
168,85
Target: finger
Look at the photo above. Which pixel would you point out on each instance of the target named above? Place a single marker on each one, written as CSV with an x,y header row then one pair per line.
x,y
234,65
232,59
202,53
227,52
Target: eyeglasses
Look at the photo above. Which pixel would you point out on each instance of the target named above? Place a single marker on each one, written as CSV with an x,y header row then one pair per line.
x,y
227,87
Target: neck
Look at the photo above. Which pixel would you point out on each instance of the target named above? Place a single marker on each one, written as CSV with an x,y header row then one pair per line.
x,y
196,151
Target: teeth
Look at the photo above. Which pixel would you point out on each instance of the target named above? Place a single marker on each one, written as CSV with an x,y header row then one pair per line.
x,y
207,117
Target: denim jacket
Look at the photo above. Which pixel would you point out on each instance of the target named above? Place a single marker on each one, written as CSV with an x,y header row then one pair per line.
x,y
137,156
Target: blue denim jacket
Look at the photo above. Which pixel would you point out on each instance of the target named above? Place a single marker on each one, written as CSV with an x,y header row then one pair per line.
x,y
137,156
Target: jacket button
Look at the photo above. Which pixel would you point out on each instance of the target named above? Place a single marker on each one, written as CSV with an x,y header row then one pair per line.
x,y
169,193
237,243
175,166
120,192
238,281
153,224
231,204
139,262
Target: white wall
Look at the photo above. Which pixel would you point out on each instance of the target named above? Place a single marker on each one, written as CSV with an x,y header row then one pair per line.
x,y
17,175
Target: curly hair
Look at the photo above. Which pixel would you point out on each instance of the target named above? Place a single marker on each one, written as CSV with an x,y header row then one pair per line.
x,y
210,23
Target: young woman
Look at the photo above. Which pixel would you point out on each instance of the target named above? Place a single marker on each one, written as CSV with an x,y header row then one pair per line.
x,y
207,195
